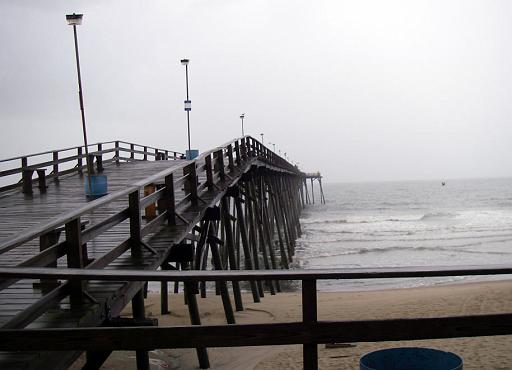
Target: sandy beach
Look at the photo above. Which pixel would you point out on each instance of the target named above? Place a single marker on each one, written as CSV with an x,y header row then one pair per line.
x,y
459,299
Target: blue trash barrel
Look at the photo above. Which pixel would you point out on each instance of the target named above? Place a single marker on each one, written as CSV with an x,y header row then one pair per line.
x,y
192,153
410,359
98,184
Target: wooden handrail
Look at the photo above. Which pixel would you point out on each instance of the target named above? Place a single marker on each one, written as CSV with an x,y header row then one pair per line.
x,y
244,275
309,332
128,338
81,146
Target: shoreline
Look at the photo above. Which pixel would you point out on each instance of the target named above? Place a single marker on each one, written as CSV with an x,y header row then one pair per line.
x,y
430,301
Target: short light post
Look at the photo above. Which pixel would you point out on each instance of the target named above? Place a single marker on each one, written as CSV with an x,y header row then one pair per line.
x,y
262,142
242,116
188,108
76,20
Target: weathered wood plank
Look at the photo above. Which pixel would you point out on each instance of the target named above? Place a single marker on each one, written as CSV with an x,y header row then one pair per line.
x,y
255,334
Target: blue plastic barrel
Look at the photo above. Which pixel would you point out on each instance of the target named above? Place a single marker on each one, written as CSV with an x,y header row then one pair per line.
x,y
98,184
192,153
410,359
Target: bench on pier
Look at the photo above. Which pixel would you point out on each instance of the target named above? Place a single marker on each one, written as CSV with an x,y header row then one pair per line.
x,y
27,174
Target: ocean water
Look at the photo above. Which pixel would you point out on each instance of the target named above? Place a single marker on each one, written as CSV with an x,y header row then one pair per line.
x,y
416,223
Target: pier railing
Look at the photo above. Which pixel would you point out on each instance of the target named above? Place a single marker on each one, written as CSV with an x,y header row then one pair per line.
x,y
18,171
178,190
211,166
309,332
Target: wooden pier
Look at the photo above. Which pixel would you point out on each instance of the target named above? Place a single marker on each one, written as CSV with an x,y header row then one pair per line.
x,y
310,199
69,265
235,207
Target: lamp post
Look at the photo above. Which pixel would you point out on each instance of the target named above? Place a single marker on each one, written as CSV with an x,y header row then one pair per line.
x,y
76,20
242,116
262,139
274,147
188,103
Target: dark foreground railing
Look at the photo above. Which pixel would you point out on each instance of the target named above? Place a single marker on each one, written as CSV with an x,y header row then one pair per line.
x,y
309,332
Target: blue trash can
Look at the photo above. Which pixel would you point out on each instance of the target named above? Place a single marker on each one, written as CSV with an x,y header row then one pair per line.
x,y
410,359
98,184
192,153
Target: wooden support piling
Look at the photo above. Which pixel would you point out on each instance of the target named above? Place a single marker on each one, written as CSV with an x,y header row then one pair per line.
x,y
245,245
263,234
230,246
195,319
312,191
217,263
253,238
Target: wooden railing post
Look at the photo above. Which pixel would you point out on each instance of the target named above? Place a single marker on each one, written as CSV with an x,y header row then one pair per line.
x,y
166,157
79,161
26,176
145,153
117,152
56,166
243,149
99,159
219,164
90,164
309,316
132,154
135,224
191,182
248,147
237,151
76,257
169,196
231,164
209,172
157,155
254,148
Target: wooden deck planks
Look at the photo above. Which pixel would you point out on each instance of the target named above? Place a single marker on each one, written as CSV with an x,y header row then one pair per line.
x,y
24,212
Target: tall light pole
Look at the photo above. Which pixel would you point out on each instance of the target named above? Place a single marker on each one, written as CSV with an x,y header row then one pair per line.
x,y
188,104
76,20
262,139
242,116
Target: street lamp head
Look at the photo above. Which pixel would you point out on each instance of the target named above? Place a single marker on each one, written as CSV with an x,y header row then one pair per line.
x,y
74,19
242,115
185,62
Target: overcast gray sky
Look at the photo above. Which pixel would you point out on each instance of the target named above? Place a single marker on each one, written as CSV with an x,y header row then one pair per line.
x,y
360,90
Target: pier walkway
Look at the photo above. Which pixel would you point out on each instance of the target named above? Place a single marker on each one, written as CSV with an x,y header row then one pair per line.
x,y
239,202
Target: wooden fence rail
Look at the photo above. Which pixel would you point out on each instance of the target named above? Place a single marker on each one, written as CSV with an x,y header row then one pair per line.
x,y
309,332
